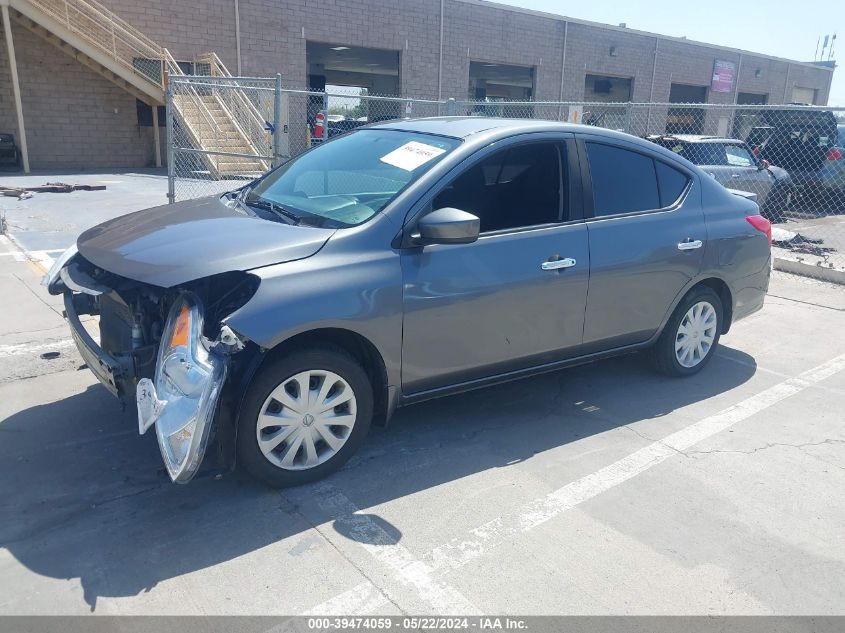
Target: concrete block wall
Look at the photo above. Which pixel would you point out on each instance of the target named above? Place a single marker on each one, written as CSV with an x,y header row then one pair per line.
x,y
475,32
186,28
274,35
74,118
83,119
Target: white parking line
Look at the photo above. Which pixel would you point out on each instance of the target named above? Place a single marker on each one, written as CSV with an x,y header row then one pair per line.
x,y
411,573
17,256
12,249
481,540
42,259
29,348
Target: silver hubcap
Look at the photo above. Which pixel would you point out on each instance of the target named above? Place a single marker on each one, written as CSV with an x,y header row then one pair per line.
x,y
696,334
306,420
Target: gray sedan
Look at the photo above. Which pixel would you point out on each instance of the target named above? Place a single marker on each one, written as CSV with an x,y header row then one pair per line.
x,y
271,326
733,164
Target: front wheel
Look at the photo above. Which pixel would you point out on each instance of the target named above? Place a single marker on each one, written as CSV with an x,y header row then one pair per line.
x,y
304,415
690,337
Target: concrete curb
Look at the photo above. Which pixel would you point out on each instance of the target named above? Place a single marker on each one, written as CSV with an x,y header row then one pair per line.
x,y
804,269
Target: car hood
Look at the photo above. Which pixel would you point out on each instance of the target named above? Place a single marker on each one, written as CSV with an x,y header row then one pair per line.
x,y
177,243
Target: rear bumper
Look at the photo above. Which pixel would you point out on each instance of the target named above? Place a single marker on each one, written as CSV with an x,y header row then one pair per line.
x,y
749,294
116,373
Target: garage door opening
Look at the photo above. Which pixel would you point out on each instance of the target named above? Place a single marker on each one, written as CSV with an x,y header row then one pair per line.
x,y
605,89
686,120
375,69
348,73
804,95
752,98
493,83
745,121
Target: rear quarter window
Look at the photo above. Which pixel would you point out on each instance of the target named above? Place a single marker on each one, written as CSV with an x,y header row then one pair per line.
x,y
671,183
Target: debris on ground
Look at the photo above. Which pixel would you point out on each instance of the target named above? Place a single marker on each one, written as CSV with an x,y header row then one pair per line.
x,y
797,243
22,193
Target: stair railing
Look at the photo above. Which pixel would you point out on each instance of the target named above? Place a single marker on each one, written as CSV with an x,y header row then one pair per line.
x,y
242,111
190,102
110,34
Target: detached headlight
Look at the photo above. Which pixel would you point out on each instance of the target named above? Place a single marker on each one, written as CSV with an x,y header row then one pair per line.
x,y
53,274
183,397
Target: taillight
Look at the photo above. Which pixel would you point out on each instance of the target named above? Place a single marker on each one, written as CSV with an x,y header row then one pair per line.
x,y
761,224
755,150
834,153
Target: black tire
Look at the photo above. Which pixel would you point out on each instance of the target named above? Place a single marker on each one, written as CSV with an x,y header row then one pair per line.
x,y
324,357
777,204
663,354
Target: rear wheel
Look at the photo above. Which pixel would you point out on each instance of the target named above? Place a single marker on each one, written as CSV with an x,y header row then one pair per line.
x,y
304,416
777,204
689,339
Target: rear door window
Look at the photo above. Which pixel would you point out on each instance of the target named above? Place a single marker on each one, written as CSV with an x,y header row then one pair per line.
x,y
624,181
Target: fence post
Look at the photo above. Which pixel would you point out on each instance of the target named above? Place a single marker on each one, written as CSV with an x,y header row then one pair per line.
x,y
171,170
451,107
277,121
628,112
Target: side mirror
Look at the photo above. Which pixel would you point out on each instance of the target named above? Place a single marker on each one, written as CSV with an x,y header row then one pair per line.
x,y
448,226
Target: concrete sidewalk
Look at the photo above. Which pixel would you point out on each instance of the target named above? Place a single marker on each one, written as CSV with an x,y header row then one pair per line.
x,y
32,328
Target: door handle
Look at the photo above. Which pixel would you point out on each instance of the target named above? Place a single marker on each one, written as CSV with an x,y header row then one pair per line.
x,y
556,264
689,245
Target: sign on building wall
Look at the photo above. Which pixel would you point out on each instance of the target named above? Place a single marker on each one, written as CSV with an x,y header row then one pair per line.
x,y
723,76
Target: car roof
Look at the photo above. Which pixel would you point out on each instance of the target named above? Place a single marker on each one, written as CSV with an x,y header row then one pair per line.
x,y
462,127
694,138
477,130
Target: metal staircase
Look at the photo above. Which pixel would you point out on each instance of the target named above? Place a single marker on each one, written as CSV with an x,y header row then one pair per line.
x,y
224,121
101,40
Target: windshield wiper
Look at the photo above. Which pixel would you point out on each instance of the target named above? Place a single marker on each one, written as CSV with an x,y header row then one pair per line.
x,y
269,205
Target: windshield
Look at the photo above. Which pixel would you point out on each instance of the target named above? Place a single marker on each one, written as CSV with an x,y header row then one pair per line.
x,y
349,180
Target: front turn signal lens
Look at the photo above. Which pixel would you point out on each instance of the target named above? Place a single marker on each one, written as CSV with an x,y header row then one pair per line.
x,y
181,327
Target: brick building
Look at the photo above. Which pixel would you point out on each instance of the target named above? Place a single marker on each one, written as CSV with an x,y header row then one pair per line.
x,y
77,117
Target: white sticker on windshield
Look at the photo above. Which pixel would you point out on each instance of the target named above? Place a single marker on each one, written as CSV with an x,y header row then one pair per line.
x,y
411,155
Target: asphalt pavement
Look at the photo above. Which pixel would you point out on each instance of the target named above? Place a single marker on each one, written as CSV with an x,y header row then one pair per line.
x,y
602,489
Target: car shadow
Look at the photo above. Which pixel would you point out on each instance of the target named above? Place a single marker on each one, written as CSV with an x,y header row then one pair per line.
x,y
85,497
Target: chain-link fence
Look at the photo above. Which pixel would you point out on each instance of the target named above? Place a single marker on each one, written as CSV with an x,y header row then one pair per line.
x,y
220,133
224,131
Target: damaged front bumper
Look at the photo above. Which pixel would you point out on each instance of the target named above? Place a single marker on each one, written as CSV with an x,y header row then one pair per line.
x,y
117,372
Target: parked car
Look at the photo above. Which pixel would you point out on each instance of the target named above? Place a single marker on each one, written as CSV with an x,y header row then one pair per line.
x,y
809,145
397,263
733,164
